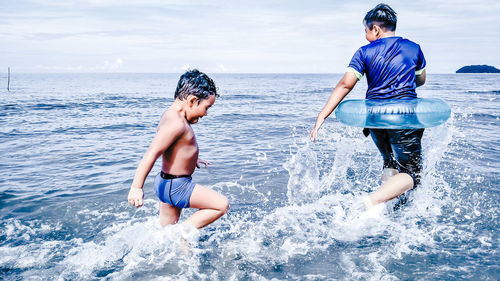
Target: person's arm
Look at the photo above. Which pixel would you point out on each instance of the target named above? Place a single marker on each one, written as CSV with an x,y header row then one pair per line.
x,y
341,90
164,138
420,78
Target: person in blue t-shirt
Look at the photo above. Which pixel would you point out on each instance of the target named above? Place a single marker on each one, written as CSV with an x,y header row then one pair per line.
x,y
394,67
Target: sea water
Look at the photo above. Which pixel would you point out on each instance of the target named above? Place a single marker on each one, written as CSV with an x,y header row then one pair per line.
x,y
70,144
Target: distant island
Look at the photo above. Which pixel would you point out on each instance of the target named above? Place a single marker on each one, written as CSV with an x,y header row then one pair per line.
x,y
478,69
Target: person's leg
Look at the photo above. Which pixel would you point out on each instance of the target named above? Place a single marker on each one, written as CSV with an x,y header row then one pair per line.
x,y
211,204
381,140
169,214
388,173
392,188
407,150
409,154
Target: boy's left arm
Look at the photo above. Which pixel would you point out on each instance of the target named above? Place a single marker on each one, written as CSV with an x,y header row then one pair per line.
x,y
420,68
420,78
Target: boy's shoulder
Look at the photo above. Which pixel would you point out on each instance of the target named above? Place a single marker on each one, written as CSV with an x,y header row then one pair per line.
x,y
409,42
172,120
387,43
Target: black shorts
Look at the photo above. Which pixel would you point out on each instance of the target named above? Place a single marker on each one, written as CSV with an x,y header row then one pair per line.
x,y
401,150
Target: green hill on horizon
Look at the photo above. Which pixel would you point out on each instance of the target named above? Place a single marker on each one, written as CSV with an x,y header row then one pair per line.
x,y
478,69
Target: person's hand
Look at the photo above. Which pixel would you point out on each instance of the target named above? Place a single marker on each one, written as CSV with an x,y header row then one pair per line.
x,y
135,196
313,134
200,162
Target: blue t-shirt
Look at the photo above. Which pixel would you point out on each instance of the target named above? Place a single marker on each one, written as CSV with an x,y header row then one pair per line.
x,y
390,64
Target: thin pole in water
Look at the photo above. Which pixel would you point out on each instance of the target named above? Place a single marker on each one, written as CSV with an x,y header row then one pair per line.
x,y
8,80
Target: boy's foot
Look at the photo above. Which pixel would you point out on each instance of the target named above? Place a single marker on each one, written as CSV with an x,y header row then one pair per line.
x,y
187,231
372,211
187,234
367,202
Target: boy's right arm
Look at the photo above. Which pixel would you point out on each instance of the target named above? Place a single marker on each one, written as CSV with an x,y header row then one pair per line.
x,y
164,138
341,90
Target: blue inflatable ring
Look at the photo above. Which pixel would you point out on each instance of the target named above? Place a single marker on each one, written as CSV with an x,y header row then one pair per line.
x,y
393,114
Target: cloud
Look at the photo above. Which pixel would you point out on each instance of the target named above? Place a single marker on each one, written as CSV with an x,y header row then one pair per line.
x,y
112,66
221,67
106,66
248,36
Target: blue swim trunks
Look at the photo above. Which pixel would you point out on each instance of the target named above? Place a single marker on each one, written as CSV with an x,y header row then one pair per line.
x,y
174,190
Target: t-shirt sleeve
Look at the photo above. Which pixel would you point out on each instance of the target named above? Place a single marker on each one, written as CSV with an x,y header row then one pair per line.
x,y
420,62
357,64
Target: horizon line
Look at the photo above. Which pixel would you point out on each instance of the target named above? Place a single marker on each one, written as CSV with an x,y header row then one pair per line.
x,y
247,73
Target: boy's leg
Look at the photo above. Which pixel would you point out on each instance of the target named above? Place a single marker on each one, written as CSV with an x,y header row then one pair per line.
x,y
392,188
382,141
387,173
407,149
211,204
169,214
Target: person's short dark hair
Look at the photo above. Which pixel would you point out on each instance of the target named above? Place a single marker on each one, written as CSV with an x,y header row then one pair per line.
x,y
382,15
196,83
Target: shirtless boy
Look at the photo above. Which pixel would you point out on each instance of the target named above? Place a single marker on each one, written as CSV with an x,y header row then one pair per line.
x,y
175,142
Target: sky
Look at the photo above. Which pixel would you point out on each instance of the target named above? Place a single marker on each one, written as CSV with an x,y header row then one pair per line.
x,y
273,36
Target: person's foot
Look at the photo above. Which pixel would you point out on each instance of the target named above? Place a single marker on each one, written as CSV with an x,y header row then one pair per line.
x,y
188,232
368,202
372,211
186,235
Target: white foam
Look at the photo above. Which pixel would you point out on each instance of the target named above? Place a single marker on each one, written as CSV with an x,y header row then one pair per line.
x,y
142,246
238,193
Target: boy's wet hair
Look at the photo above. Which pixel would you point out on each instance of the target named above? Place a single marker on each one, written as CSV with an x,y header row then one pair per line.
x,y
382,15
196,83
